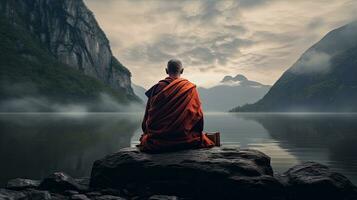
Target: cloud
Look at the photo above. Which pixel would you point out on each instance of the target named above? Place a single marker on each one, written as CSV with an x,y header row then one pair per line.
x,y
199,56
258,38
192,50
313,62
209,68
252,3
316,23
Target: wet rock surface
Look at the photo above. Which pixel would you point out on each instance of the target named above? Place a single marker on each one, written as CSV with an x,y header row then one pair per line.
x,y
162,197
218,173
311,180
21,183
60,182
202,173
7,194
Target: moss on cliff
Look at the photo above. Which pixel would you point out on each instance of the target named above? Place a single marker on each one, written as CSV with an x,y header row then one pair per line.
x,y
29,69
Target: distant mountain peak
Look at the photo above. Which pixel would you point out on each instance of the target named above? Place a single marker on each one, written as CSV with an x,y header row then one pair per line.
x,y
241,80
240,77
237,78
231,91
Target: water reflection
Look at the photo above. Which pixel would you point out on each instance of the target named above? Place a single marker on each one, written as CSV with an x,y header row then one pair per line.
x,y
327,138
35,145
238,130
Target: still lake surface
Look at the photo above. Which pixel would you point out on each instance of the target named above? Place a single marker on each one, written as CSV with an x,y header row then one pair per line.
x,y
34,145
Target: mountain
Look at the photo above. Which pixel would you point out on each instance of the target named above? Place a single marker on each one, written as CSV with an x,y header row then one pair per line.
x,y
323,79
140,92
56,49
231,91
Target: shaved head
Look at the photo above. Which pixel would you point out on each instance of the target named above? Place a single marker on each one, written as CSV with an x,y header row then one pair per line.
x,y
174,67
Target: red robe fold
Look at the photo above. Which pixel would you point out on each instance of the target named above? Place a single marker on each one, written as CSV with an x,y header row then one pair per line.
x,y
173,117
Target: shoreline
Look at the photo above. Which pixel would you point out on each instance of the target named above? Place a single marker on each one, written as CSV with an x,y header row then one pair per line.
x,y
216,173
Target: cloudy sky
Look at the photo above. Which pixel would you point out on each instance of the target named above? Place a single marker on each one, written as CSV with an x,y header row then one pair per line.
x,y
257,38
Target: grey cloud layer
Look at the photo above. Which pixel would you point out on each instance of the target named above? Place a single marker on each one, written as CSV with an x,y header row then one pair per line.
x,y
258,38
218,42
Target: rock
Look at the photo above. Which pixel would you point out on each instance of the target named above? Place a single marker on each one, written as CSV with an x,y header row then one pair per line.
x,y
217,173
70,192
6,194
59,182
84,182
79,197
110,191
312,180
38,195
20,184
93,194
162,197
222,173
109,197
56,196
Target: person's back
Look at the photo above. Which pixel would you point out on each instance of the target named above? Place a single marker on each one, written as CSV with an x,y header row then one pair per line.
x,y
173,117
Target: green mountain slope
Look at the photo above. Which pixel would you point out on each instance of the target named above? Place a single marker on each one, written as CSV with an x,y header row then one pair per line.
x,y
324,79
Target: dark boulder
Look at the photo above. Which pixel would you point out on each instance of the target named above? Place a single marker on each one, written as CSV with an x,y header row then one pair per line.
x,y
108,197
79,197
93,194
29,194
37,195
312,180
218,173
163,197
110,191
70,192
6,194
222,173
21,183
60,182
83,182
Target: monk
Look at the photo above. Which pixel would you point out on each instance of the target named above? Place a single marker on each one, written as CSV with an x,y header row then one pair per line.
x,y
173,117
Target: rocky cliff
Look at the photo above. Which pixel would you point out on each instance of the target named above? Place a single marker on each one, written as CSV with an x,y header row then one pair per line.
x,y
69,31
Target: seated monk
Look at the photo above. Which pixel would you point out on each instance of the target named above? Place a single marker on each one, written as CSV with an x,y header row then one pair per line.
x,y
173,117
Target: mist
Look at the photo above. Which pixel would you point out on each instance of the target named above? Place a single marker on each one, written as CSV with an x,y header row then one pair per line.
x,y
105,103
313,62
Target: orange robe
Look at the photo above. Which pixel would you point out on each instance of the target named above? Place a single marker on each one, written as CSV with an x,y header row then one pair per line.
x,y
173,117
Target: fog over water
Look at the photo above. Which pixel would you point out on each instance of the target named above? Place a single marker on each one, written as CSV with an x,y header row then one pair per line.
x,y
38,103
70,142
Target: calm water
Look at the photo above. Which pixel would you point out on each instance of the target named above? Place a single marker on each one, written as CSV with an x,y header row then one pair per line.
x,y
35,145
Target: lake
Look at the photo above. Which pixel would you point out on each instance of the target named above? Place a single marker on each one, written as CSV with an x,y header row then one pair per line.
x,y
33,145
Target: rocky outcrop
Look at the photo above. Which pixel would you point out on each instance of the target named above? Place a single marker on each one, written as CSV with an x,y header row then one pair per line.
x,y
70,32
60,182
205,173
312,180
20,184
6,194
57,186
218,173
